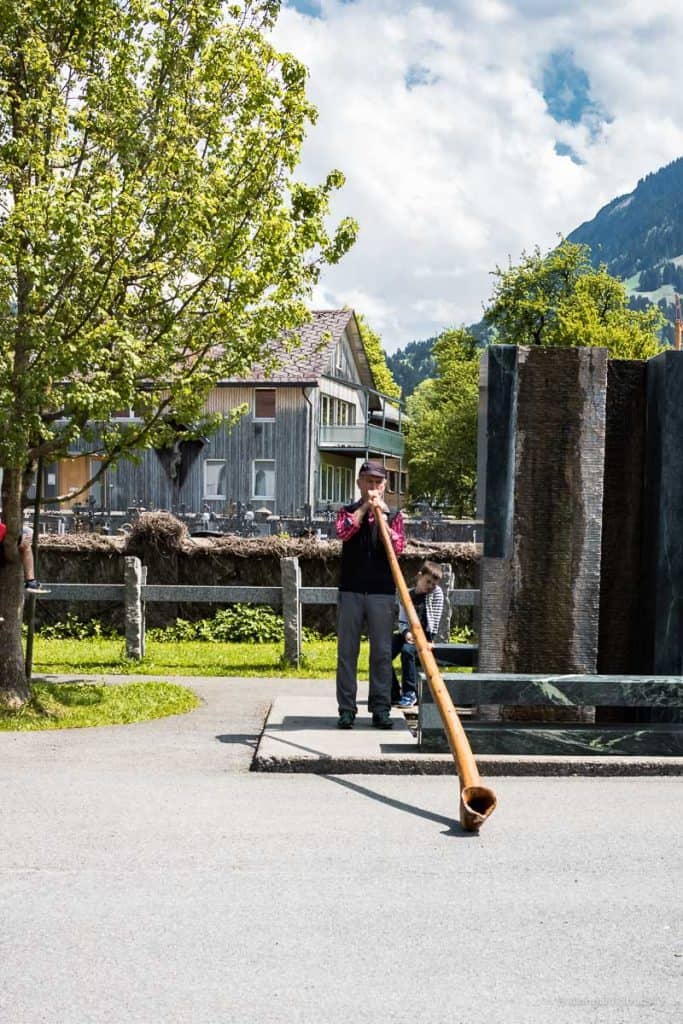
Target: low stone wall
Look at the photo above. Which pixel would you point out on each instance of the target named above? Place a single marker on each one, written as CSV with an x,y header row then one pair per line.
x,y
172,557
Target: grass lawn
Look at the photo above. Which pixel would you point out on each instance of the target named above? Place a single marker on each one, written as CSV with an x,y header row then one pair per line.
x,y
77,705
189,658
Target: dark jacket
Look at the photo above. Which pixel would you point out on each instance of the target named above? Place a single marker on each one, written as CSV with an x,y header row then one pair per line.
x,y
365,567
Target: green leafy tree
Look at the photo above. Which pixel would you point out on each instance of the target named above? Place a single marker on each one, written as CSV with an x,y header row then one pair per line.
x,y
559,299
411,365
381,373
442,426
152,237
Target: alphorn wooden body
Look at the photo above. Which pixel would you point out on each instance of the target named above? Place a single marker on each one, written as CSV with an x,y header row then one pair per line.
x,y
477,802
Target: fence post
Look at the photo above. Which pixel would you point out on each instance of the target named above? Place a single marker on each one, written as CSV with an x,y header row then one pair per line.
x,y
135,623
443,632
291,608
143,612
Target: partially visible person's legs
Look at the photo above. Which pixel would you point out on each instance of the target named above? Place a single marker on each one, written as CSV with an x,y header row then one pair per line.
x,y
409,675
380,616
31,584
350,615
26,553
396,647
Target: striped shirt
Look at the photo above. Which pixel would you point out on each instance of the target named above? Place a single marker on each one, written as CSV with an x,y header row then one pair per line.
x,y
433,607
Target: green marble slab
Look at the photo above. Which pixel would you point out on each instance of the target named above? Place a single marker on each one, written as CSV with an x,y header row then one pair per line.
x,y
562,690
504,738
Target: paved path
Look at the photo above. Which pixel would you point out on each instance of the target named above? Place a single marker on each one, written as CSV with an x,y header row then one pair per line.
x,y
147,876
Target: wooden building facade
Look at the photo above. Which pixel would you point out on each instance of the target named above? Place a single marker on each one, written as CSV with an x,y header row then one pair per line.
x,y
295,449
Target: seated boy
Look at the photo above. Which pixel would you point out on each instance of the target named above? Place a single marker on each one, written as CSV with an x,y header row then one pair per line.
x,y
427,598
31,585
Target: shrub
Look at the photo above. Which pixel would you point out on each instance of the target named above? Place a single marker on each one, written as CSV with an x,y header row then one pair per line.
x,y
74,629
241,623
463,635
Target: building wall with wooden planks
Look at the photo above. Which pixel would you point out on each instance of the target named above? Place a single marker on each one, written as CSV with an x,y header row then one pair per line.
x,y
270,460
231,459
228,466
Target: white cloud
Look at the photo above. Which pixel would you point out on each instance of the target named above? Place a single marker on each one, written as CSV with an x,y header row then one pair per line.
x,y
435,113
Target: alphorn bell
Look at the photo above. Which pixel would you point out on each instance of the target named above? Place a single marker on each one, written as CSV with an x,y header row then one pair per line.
x,y
477,802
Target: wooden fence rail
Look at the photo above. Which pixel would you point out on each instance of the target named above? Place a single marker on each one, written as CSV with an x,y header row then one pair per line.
x,y
290,596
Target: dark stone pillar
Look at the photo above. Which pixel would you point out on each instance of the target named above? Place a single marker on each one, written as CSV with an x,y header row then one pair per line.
x,y
662,617
545,463
621,627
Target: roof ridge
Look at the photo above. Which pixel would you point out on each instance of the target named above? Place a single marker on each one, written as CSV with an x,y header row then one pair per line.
x,y
333,310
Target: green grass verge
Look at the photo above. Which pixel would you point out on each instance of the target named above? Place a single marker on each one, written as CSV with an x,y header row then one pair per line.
x,y
191,658
79,705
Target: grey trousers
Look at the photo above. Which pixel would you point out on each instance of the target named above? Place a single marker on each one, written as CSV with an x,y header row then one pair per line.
x,y
353,610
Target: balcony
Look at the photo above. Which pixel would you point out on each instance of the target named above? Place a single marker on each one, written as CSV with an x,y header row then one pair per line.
x,y
360,438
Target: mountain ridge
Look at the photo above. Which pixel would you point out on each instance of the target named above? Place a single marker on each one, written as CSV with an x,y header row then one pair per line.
x,y
637,235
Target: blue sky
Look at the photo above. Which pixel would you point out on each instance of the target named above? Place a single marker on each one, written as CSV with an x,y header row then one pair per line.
x,y
471,130
310,7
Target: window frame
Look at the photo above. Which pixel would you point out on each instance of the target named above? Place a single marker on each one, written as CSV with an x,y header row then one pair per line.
x,y
336,412
254,471
265,419
339,356
205,495
335,484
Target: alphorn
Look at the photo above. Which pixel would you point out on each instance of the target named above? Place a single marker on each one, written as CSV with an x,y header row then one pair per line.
x,y
477,802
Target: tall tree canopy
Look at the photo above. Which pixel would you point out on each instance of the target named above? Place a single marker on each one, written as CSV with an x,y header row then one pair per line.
x,y
560,299
552,299
382,375
152,238
442,426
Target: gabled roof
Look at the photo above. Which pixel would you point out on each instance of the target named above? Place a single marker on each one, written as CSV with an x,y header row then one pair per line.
x,y
309,360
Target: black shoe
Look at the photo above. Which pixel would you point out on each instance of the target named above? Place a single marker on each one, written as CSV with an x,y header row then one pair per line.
x,y
34,587
382,720
346,720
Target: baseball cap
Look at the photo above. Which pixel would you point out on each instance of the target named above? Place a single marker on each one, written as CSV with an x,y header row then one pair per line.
x,y
373,469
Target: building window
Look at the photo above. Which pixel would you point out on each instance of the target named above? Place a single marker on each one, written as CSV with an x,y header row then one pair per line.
x,y
391,481
264,404
335,412
404,483
264,478
339,356
339,484
336,484
214,479
326,483
136,413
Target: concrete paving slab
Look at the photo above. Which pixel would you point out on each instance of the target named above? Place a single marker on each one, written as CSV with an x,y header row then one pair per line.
x,y
301,735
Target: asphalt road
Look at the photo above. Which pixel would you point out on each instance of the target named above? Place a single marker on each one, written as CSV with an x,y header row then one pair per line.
x,y
147,876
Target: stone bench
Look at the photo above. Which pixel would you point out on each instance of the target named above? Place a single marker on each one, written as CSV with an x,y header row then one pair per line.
x,y
461,655
662,695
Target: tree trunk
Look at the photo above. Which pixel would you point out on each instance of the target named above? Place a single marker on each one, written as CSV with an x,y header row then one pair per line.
x,y
14,689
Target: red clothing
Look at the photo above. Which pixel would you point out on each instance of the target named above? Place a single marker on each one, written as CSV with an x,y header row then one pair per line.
x,y
3,531
347,527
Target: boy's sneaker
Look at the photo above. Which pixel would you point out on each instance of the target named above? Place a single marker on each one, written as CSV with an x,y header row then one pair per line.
x,y
382,720
34,587
346,720
408,700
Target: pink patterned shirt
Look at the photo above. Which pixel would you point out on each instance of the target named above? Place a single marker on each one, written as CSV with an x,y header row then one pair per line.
x,y
347,526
